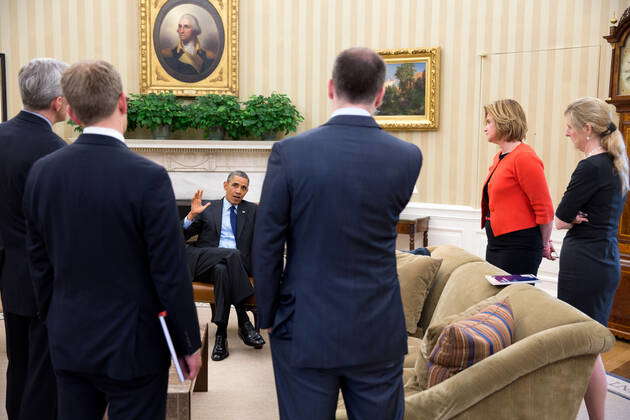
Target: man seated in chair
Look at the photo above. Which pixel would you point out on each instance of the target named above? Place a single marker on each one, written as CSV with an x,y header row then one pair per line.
x,y
222,256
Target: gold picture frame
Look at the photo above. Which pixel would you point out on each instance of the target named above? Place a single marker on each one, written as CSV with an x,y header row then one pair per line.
x,y
412,89
3,88
189,47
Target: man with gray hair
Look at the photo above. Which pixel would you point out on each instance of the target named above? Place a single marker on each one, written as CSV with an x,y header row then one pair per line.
x,y
31,387
188,57
222,256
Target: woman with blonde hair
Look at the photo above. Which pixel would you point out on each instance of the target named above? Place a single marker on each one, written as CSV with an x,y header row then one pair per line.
x,y
590,209
517,211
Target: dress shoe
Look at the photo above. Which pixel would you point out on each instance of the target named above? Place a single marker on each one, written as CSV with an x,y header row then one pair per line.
x,y
220,349
250,336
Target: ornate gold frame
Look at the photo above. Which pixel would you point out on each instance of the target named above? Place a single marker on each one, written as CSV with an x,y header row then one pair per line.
x,y
223,79
430,120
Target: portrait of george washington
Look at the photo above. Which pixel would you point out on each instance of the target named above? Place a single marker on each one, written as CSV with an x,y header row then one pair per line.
x,y
188,38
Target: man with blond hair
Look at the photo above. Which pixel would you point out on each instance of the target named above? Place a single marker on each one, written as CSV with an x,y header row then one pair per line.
x,y
31,384
107,256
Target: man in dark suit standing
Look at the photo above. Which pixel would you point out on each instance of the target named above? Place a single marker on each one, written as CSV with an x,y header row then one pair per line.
x,y
333,195
222,256
31,384
107,256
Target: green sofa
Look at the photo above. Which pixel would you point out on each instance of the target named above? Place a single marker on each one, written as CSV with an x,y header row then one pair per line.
x,y
543,374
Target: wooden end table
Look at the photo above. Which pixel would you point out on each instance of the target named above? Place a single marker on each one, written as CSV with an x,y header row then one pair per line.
x,y
179,395
411,226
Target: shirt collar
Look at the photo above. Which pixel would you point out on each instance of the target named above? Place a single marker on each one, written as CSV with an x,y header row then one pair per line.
x,y
104,132
40,116
227,205
351,111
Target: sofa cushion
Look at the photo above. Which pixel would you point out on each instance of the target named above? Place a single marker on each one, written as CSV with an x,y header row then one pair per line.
x,y
413,349
416,274
452,258
470,340
466,286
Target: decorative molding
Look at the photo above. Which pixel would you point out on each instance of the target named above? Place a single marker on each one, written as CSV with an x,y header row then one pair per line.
x,y
205,155
194,146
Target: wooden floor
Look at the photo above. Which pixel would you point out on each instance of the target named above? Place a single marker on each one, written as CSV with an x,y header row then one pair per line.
x,y
617,360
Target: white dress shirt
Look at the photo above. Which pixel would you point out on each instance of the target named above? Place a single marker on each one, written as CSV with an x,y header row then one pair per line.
x,y
104,132
40,116
227,235
351,111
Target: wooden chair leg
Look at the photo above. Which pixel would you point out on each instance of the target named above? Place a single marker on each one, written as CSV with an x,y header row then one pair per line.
x,y
212,309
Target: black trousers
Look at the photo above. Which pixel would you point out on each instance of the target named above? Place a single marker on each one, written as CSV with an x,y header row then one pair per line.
x,y
31,382
85,397
222,267
373,391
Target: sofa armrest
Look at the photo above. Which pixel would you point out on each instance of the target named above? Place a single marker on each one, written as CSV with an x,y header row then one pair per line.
x,y
456,394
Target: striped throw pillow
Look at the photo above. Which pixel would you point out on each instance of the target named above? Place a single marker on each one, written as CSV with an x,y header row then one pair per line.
x,y
468,341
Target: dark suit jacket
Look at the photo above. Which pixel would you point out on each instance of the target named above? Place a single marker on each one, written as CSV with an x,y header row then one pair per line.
x,y
107,256
334,195
23,140
208,226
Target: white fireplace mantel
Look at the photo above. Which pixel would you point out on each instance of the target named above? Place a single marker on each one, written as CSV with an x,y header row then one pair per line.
x,y
205,164
195,146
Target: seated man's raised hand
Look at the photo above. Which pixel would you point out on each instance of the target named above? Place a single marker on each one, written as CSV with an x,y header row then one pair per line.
x,y
196,208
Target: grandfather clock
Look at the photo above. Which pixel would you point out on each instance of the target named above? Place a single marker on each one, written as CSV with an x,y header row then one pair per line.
x,y
619,38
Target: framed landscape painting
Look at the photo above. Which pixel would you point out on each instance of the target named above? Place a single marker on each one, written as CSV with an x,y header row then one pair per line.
x,y
189,47
412,89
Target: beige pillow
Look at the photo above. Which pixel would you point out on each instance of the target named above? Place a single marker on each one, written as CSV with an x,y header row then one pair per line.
x,y
416,274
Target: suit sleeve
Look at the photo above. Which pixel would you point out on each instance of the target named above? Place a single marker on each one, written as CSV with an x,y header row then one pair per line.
x,y
530,173
270,235
192,230
167,263
40,266
581,188
52,145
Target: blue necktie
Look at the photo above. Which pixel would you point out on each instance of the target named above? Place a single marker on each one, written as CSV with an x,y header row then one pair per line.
x,y
233,220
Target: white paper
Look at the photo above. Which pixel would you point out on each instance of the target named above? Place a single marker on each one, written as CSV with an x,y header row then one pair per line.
x,y
171,348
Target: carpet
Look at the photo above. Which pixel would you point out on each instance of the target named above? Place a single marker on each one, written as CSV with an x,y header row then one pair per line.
x,y
618,385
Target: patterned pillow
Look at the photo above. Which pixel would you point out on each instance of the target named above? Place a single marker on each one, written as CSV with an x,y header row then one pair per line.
x,y
468,341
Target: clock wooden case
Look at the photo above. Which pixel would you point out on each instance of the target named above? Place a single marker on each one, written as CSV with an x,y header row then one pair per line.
x,y
619,38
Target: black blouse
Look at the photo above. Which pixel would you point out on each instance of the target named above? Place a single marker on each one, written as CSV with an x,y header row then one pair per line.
x,y
594,189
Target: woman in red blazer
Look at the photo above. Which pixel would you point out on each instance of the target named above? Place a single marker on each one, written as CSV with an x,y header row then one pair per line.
x,y
516,208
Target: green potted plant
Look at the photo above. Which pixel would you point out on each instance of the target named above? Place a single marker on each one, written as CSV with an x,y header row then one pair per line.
x,y
76,127
159,112
217,115
265,117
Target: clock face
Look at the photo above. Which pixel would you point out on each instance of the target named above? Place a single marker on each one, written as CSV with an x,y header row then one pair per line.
x,y
624,71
